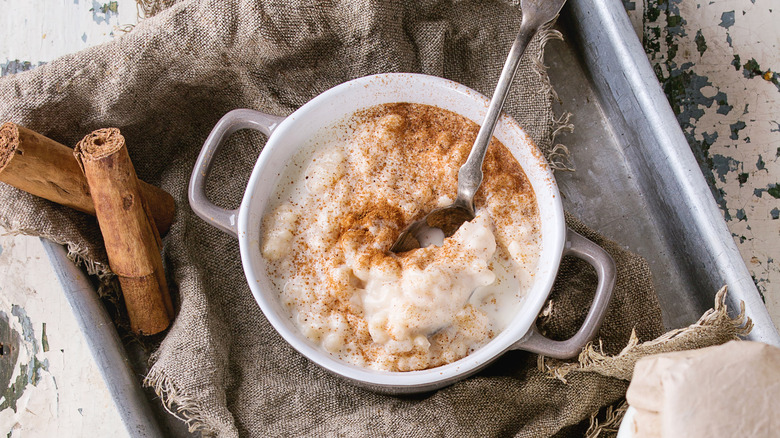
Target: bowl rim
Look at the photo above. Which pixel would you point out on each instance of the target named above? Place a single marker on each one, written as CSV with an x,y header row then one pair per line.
x,y
445,374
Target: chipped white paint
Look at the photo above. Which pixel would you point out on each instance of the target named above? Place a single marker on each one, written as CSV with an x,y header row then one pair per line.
x,y
728,51
39,31
69,397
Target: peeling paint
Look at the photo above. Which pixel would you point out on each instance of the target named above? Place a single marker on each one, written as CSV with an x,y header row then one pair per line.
x,y
102,13
29,372
774,190
44,338
723,165
708,139
690,50
752,69
761,290
723,103
16,66
10,350
27,329
735,128
720,199
736,63
727,19
701,44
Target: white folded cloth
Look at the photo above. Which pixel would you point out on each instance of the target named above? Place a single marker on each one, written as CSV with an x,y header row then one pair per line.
x,y
728,390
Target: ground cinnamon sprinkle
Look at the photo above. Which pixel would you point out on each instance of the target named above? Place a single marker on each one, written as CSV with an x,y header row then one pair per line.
x,y
328,241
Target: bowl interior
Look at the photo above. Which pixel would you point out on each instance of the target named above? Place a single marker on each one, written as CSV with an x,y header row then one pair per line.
x,y
334,106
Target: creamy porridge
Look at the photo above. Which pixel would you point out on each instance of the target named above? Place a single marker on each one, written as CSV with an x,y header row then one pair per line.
x,y
342,203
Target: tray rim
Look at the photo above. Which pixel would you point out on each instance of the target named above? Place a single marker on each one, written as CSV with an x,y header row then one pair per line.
x,y
610,37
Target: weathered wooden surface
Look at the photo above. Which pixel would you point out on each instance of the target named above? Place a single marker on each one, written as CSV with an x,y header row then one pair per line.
x,y
717,62
53,387
33,32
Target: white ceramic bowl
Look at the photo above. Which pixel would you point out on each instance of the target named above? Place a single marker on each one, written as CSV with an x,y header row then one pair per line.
x,y
286,135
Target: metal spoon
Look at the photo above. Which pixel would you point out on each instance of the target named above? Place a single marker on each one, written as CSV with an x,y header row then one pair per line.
x,y
536,13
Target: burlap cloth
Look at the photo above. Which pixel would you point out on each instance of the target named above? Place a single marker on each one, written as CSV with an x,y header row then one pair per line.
x,y
221,366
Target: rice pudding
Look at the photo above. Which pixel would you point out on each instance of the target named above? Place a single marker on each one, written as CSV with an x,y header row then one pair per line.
x,y
343,201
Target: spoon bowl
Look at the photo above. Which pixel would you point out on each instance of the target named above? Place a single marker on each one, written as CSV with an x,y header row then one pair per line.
x,y
536,13
447,219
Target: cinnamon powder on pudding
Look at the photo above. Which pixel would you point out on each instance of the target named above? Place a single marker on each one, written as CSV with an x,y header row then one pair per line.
x,y
343,203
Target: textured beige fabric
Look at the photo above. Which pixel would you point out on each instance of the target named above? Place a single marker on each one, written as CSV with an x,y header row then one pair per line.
x,y
715,327
221,366
720,391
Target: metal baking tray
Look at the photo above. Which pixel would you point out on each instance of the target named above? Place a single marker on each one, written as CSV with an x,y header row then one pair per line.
x,y
637,182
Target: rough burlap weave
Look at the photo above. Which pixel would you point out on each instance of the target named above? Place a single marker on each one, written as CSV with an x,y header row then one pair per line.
x,y
221,366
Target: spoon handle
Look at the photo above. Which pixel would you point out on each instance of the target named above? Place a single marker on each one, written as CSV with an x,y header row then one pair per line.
x,y
470,174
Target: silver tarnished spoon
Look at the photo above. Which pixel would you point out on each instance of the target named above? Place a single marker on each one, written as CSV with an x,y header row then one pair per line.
x,y
536,13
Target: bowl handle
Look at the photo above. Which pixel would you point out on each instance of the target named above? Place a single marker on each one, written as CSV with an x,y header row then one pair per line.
x,y
231,122
578,246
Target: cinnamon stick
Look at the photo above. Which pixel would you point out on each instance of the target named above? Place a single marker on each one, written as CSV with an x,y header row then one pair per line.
x,y
39,165
132,242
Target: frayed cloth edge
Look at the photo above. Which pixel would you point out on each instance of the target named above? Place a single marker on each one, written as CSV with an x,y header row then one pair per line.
x,y
558,155
183,407
593,359
611,423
